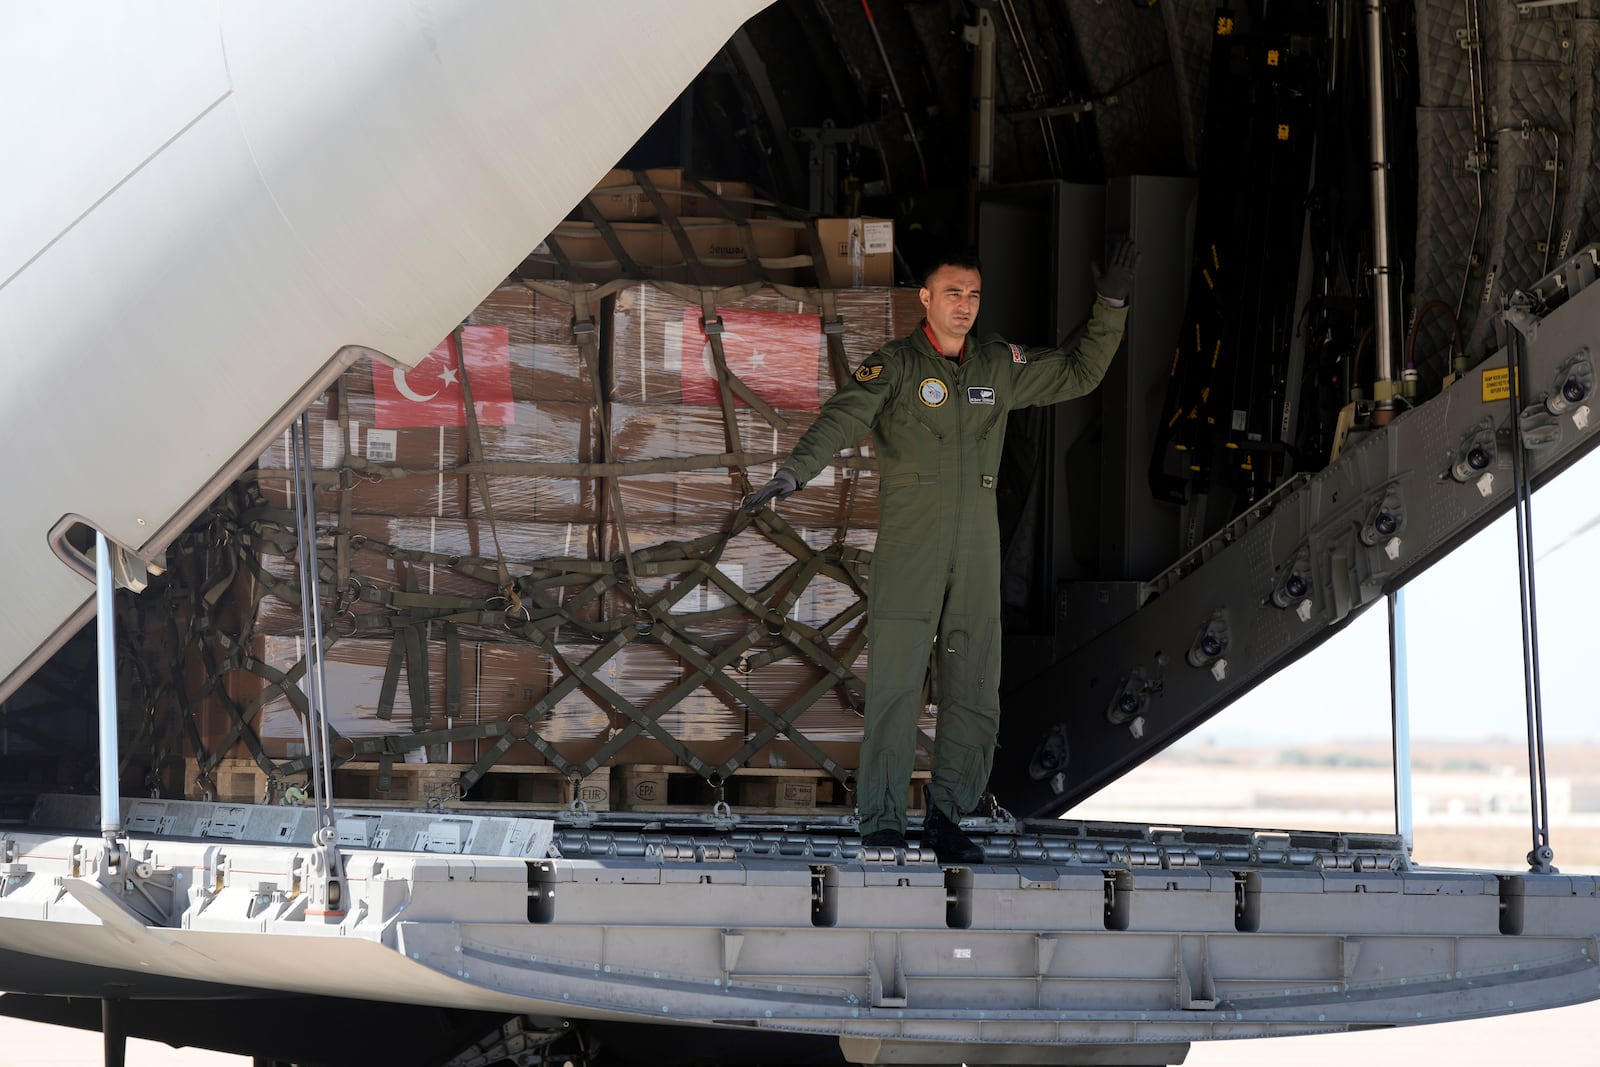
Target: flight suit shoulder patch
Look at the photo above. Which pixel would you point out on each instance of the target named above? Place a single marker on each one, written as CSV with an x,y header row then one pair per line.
x,y
868,371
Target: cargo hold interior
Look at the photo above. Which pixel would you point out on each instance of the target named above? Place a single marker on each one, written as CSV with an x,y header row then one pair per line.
x,y
556,601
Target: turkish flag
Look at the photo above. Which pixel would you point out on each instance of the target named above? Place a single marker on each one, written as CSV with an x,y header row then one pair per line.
x,y
429,394
776,353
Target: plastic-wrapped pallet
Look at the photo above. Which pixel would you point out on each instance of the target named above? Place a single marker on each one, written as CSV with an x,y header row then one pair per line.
x,y
416,470
364,677
417,581
434,565
398,438
660,352
644,675
751,561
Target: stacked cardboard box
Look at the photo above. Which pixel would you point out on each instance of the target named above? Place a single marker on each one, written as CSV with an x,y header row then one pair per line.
x,y
750,561
406,530
665,397
664,225
416,602
494,681
451,562
852,253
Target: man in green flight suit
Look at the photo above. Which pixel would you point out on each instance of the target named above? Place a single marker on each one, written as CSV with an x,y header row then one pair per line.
x,y
936,404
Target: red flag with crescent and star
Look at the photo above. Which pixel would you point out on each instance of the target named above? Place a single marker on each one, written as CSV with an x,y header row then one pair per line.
x,y
429,394
776,353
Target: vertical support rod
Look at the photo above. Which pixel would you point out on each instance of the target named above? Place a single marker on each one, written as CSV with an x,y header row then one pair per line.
x,y
113,1034
1541,855
1400,706
981,37
106,639
311,619
1383,321
984,104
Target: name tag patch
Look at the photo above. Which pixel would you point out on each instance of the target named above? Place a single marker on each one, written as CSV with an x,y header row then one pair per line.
x,y
980,394
1017,354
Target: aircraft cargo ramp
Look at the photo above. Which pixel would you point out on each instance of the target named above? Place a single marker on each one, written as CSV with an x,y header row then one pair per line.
x,y
1285,575
1072,943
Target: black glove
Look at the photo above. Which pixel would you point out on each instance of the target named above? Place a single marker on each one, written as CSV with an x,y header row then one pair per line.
x,y
782,485
1115,283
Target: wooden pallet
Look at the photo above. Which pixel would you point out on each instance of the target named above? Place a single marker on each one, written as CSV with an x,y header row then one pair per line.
x,y
753,790
650,787
242,781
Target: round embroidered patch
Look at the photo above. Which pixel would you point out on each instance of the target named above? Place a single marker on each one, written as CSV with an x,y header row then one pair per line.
x,y
933,392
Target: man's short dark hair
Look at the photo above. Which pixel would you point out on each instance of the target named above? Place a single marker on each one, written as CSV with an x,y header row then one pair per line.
x,y
965,259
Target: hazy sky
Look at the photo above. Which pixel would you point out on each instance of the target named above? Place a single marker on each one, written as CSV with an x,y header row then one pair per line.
x,y
1464,651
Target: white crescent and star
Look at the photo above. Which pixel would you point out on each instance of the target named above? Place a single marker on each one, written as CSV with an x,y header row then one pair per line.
x,y
756,360
447,377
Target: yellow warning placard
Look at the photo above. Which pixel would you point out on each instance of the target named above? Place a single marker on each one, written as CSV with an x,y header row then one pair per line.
x,y
1497,384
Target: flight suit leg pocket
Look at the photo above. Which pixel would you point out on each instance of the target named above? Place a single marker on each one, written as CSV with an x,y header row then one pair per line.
x,y
960,772
969,669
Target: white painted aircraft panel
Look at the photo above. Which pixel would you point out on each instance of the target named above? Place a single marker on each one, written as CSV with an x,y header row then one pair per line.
x,y
228,195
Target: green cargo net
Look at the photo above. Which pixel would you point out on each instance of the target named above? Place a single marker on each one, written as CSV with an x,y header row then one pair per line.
x,y
586,615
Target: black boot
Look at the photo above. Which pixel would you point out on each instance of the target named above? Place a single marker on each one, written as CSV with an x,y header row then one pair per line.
x,y
884,839
944,836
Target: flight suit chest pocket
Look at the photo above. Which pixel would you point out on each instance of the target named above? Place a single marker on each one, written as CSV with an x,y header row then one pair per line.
x,y
909,507
928,422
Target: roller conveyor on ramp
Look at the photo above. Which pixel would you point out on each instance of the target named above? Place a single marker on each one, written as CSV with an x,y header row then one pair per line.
x,y
1301,564
1072,943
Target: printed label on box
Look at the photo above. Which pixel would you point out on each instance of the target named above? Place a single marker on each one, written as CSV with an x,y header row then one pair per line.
x,y
877,237
383,445
672,348
691,602
332,444
715,598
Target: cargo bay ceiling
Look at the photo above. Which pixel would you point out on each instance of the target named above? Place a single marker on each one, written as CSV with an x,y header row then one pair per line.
x,y
1491,124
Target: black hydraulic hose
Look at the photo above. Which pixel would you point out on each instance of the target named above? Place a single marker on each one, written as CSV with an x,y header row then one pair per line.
x,y
894,85
1459,348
